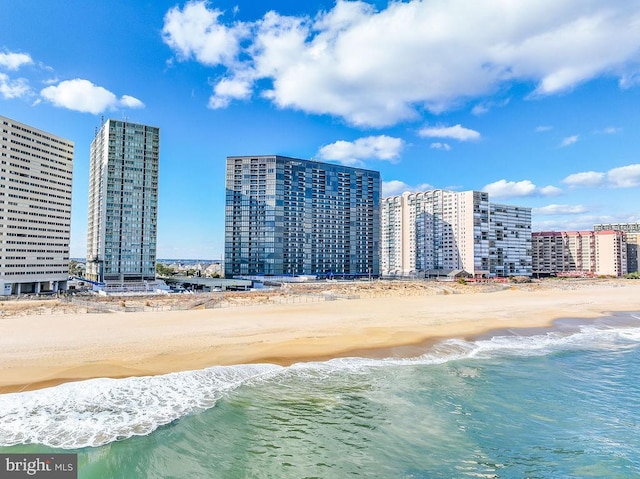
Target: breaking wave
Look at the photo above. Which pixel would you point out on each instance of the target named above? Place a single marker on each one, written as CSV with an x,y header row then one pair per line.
x,y
99,411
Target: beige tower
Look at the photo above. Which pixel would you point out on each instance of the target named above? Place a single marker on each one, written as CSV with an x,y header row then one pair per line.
x,y
35,209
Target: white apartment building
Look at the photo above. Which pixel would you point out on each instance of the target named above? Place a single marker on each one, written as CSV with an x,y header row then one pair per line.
x,y
123,205
438,231
35,209
579,253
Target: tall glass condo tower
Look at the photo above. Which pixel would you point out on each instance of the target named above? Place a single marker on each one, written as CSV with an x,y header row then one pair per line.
x,y
286,216
123,203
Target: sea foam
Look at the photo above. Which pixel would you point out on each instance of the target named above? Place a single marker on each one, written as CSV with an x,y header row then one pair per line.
x,y
100,411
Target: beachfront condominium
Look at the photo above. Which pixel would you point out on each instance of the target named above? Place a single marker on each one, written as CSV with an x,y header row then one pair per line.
x,y
123,204
35,209
438,232
579,253
286,216
633,240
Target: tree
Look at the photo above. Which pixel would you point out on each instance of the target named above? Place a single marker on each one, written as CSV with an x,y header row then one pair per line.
x,y
163,270
75,268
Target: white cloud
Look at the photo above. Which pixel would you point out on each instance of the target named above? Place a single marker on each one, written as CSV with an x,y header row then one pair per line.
x,y
51,81
543,128
130,102
512,189
624,176
440,146
377,68
550,190
397,187
629,80
560,210
485,107
480,109
13,61
569,140
84,96
229,89
504,188
585,178
195,32
369,148
610,130
13,88
457,132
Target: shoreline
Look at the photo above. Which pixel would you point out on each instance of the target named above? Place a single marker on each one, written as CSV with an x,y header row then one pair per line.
x,y
42,351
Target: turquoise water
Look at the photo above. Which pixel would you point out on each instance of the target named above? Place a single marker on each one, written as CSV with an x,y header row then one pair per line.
x,y
524,404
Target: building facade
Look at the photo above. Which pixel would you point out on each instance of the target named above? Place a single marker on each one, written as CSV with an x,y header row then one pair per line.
x,y
286,216
35,209
439,231
579,253
510,252
633,240
123,204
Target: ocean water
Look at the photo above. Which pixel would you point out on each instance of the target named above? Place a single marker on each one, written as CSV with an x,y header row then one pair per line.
x,y
562,403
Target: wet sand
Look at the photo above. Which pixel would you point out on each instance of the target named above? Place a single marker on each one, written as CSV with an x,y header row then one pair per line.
x,y
43,350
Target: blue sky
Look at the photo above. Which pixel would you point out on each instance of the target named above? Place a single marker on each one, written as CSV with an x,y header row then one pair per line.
x,y
535,101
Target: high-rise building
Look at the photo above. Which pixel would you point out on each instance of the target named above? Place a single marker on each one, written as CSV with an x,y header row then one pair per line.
x,y
438,231
510,240
35,209
123,204
633,240
579,253
286,216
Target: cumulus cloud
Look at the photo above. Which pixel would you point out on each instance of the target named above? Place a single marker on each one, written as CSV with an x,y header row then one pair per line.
x,y
624,177
13,88
195,32
397,187
381,147
83,96
585,178
440,146
560,210
511,189
130,102
457,132
363,65
13,61
569,140
550,190
229,89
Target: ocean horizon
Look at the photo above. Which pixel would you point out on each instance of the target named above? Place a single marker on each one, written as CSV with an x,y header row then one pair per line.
x,y
561,402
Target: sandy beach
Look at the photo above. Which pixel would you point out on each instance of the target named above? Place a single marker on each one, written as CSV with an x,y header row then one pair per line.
x,y
47,349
